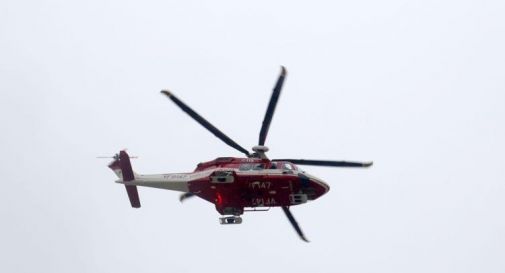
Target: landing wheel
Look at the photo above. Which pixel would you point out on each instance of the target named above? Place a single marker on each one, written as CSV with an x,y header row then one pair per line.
x,y
230,220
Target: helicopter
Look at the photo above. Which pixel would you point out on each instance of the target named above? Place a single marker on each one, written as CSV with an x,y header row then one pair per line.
x,y
236,184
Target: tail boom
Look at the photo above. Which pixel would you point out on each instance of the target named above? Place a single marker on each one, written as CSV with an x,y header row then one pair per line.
x,y
123,169
160,181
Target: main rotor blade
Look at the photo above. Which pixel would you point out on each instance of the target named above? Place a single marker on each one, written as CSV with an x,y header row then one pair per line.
x,y
327,163
204,122
271,107
185,196
294,223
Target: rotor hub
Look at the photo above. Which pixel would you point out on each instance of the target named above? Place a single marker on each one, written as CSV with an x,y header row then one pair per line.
x,y
260,149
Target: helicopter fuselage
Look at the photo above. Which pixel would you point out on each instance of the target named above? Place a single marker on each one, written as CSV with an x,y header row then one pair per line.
x,y
233,184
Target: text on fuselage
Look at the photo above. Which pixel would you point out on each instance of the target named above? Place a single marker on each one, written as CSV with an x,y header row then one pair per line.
x,y
259,185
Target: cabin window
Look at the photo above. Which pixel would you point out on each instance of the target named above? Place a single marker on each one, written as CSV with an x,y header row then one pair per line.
x,y
258,167
254,167
245,167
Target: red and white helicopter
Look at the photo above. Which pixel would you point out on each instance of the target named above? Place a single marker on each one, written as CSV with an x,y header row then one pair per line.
x,y
237,185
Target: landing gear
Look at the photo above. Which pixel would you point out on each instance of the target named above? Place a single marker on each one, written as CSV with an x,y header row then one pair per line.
x,y
230,220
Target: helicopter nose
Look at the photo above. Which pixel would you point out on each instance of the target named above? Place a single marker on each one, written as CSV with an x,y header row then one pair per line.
x,y
323,185
317,186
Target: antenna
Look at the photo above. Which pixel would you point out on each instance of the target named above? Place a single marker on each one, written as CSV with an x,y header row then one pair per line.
x,y
116,156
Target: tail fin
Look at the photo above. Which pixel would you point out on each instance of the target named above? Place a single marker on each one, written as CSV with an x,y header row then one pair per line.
x,y
123,169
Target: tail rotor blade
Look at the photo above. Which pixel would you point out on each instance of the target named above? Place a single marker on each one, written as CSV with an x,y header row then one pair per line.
x,y
293,222
327,163
204,122
271,107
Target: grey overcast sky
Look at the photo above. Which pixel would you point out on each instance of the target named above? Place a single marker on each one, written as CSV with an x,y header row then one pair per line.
x,y
416,86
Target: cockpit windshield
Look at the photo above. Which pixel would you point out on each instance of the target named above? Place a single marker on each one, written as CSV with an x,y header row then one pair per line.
x,y
288,166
